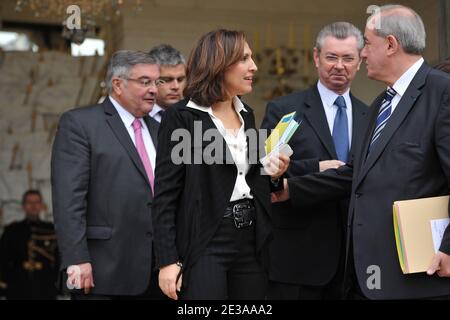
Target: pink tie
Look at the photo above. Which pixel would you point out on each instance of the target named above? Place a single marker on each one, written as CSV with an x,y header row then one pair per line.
x,y
140,146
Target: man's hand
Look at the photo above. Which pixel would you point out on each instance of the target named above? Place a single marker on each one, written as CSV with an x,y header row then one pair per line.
x,y
276,166
80,277
441,264
330,164
282,195
168,280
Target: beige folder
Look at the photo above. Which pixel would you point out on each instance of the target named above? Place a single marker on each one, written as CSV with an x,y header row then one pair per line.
x,y
413,235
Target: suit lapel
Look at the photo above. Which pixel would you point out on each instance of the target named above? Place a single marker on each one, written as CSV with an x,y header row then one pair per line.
x,y
358,113
370,128
247,116
315,114
208,124
253,147
402,110
121,133
153,127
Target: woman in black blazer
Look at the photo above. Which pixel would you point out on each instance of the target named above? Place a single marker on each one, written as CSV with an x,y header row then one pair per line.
x,y
211,210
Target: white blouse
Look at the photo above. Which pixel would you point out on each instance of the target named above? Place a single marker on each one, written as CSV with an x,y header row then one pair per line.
x,y
237,144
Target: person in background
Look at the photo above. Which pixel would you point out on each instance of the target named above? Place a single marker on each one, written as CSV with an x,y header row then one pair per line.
x,y
172,69
444,65
404,154
28,254
308,251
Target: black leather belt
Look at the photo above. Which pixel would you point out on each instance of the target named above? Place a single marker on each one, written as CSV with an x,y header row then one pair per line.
x,y
242,212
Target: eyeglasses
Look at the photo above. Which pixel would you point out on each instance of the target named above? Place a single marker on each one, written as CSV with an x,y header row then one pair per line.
x,y
346,60
146,82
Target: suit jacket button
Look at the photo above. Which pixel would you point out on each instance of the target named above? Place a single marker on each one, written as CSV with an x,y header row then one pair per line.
x,y
357,195
149,234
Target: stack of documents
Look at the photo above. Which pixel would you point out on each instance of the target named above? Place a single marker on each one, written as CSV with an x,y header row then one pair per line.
x,y
419,226
282,133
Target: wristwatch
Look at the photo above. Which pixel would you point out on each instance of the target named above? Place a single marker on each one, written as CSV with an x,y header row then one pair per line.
x,y
276,185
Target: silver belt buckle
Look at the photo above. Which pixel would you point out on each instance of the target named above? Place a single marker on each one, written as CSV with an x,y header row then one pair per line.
x,y
239,215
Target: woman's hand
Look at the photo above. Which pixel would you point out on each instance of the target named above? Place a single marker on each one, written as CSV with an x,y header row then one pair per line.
x,y
168,280
277,165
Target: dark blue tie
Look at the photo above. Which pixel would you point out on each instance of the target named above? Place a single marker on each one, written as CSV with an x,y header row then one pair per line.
x,y
340,130
384,113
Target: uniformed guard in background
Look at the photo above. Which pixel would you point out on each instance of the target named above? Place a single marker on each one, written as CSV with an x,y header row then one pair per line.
x,y
28,254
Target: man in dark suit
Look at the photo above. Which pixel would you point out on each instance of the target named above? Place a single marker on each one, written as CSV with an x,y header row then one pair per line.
x,y
306,255
405,154
28,254
102,178
172,72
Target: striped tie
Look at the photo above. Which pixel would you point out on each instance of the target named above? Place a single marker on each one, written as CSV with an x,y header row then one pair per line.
x,y
383,114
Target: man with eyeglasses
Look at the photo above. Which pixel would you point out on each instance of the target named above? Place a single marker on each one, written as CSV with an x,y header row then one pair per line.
x,y
103,164
307,252
403,155
172,75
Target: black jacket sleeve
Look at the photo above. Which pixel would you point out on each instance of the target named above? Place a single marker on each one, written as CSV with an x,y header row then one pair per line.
x,y
169,184
329,185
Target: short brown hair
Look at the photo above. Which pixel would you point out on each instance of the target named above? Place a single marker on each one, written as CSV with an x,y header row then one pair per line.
x,y
444,65
29,193
214,53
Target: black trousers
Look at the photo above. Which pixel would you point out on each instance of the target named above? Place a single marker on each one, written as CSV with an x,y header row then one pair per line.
x,y
288,291
228,269
352,289
333,290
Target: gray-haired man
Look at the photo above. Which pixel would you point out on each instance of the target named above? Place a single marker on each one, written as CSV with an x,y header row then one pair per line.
x,y
102,177
307,252
173,75
404,154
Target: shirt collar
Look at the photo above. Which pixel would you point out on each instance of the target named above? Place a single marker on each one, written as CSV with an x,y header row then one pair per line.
x,y
156,108
403,82
237,103
329,96
124,114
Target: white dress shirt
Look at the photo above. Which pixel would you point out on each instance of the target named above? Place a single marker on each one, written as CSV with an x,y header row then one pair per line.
x,y
237,144
403,82
155,113
328,98
128,119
